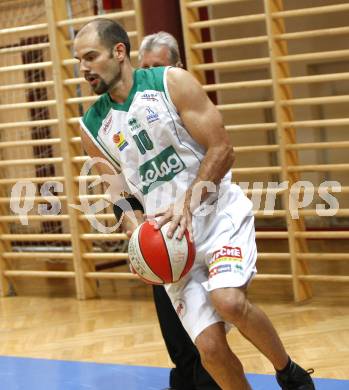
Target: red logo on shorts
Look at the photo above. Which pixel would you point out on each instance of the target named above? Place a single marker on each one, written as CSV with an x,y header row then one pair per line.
x,y
180,307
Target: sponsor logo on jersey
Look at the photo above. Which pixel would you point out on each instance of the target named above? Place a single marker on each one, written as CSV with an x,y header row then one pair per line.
x,y
152,116
227,253
133,124
234,268
163,167
119,140
150,96
107,124
219,269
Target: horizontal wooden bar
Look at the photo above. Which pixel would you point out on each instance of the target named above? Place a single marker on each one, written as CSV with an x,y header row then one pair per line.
x,y
315,78
36,199
74,120
80,159
324,278
311,11
315,100
15,106
328,32
17,218
263,191
272,235
318,145
74,81
38,84
322,55
106,237
245,106
237,64
275,214
112,275
37,255
14,49
206,3
39,274
273,256
317,123
32,179
256,148
105,256
227,21
272,277
32,161
35,237
323,234
230,43
34,123
22,67
104,217
251,127
318,168
29,142
19,29
249,170
323,256
83,99
238,85
324,213
94,197
85,19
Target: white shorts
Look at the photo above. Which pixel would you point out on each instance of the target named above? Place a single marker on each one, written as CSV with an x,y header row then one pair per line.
x,y
225,257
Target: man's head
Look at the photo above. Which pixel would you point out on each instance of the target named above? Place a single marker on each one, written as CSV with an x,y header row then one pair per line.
x,y
102,46
160,49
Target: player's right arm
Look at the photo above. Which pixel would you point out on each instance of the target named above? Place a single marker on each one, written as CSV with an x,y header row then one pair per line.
x,y
131,218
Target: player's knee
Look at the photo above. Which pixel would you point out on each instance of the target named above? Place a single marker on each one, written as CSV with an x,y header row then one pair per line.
x,y
231,305
210,351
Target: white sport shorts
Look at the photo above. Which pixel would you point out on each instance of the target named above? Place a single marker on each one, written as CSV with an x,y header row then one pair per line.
x,y
225,257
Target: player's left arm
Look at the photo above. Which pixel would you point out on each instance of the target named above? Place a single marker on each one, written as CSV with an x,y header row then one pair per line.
x,y
205,125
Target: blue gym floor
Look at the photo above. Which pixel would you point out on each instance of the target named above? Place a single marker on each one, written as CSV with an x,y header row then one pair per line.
x,y
39,374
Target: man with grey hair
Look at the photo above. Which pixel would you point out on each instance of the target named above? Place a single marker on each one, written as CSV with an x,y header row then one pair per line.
x,y
159,49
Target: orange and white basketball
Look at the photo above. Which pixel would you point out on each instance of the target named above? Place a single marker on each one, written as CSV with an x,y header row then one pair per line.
x,y
158,259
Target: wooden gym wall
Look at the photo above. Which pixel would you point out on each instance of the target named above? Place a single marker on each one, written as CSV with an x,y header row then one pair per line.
x,y
282,85
42,98
278,72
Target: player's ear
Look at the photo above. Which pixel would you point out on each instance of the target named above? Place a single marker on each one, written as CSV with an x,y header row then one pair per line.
x,y
119,51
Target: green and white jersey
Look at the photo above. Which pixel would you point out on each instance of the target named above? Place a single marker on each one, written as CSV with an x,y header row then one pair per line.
x,y
146,139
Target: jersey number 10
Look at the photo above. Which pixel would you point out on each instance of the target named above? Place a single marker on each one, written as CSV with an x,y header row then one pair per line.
x,y
143,141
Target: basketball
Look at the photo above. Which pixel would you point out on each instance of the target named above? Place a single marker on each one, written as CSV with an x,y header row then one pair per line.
x,y
157,259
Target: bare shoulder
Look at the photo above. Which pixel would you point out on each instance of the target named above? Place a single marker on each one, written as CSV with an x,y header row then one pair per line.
x,y
181,78
184,88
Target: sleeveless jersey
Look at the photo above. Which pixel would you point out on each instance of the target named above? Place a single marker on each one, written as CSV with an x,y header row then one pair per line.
x,y
145,138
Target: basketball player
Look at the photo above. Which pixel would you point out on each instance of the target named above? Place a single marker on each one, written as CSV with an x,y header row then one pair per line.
x,y
160,129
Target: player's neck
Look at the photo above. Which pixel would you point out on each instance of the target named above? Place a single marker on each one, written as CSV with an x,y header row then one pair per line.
x,y
123,87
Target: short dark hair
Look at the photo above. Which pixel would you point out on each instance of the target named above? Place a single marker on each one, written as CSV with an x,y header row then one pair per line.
x,y
110,33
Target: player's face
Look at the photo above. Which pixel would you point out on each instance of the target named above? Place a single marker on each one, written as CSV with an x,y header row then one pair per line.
x,y
157,57
97,63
